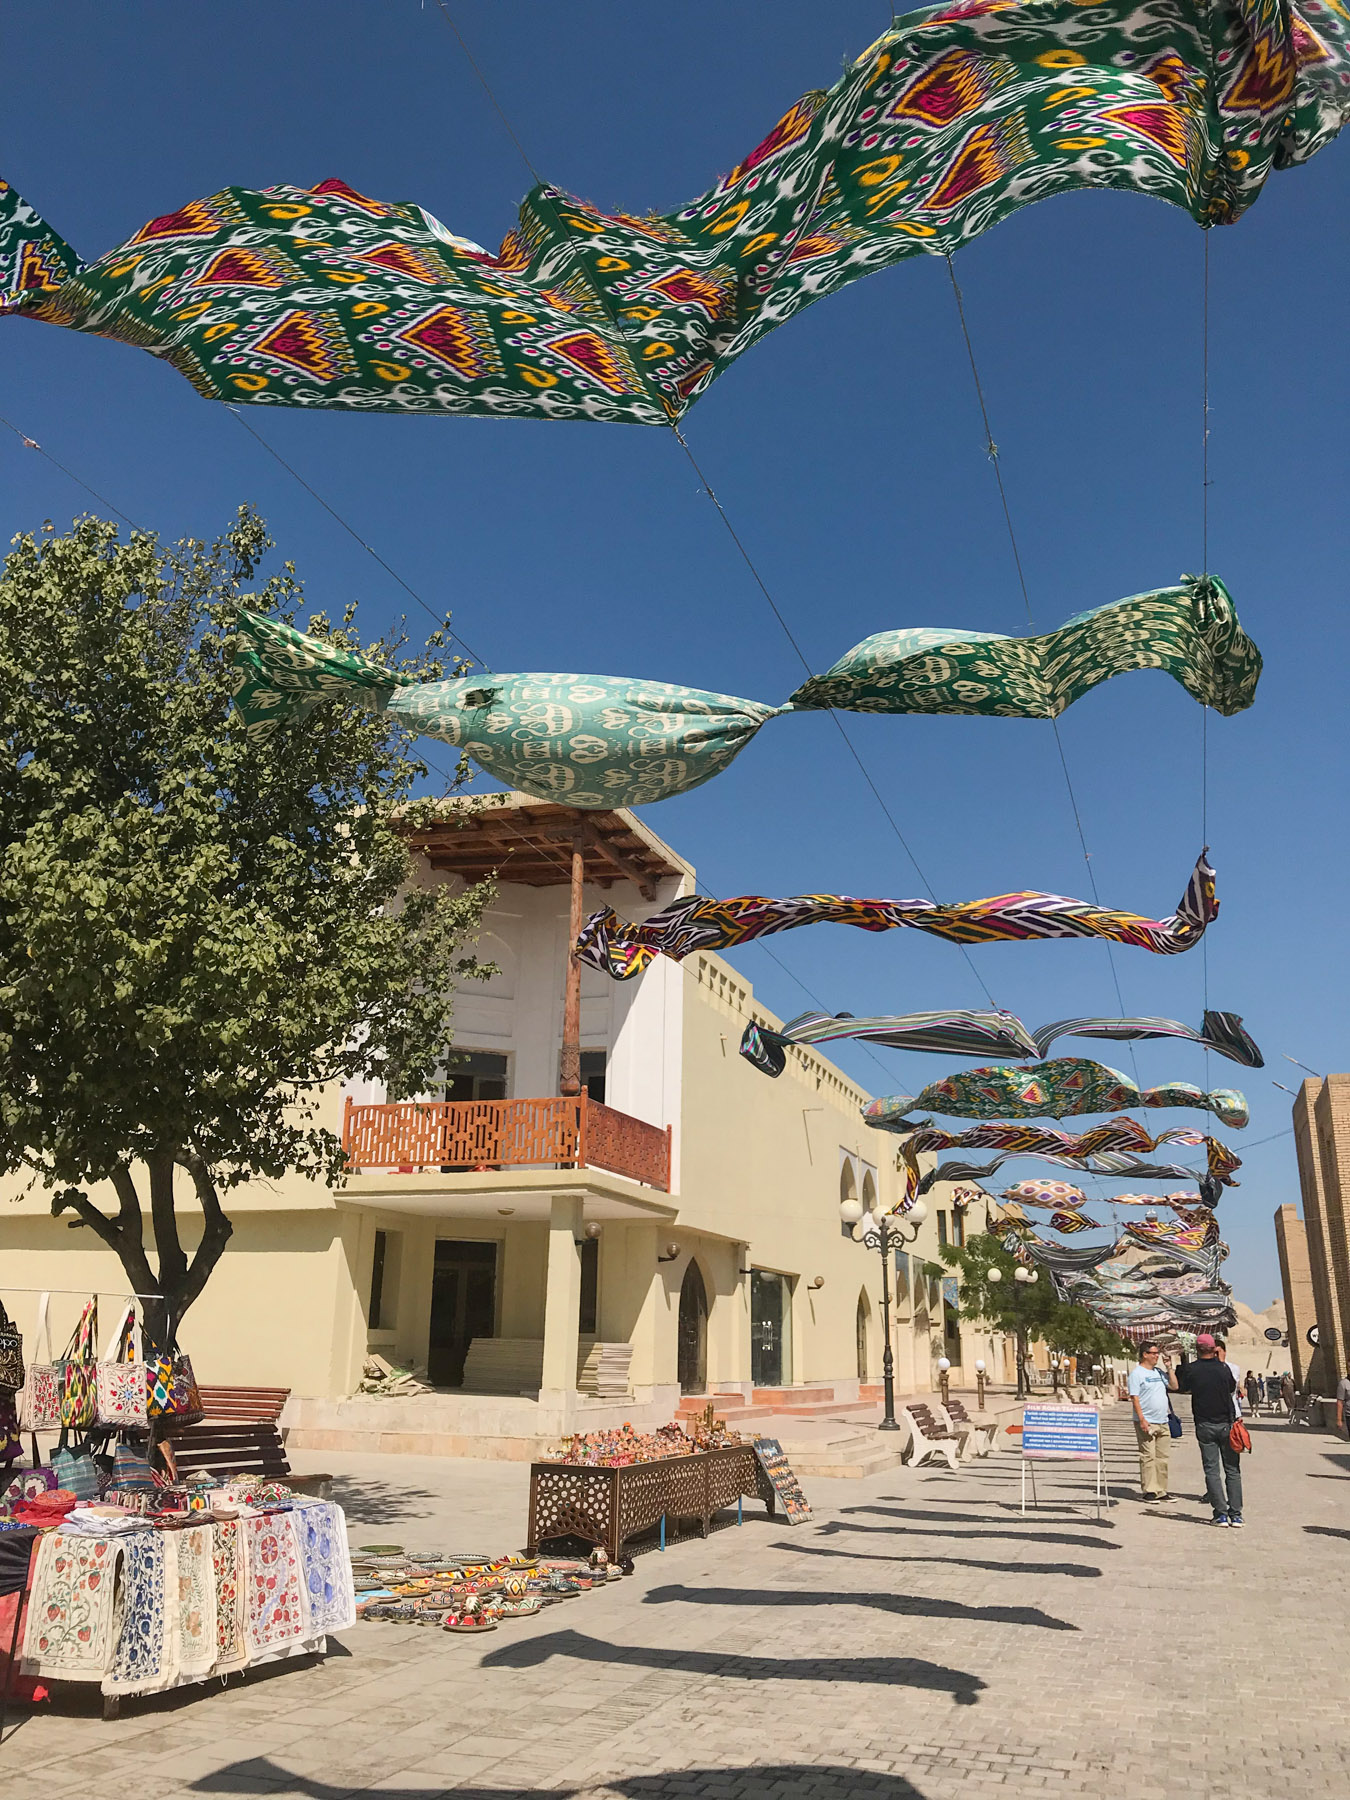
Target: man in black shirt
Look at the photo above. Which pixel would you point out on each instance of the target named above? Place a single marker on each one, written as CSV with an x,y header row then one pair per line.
x,y
1212,1389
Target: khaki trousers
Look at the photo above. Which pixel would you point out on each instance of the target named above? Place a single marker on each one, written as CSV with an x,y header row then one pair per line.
x,y
1153,1441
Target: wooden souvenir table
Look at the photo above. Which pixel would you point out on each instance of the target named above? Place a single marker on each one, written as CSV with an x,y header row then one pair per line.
x,y
610,1506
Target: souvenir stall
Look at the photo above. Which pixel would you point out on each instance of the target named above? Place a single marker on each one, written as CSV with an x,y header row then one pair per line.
x,y
135,1581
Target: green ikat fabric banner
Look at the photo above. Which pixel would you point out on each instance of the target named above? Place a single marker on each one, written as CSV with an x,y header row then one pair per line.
x,y
951,121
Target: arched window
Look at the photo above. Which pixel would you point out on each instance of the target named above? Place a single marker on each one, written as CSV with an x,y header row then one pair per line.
x,y
692,1347
869,1193
848,1186
863,1315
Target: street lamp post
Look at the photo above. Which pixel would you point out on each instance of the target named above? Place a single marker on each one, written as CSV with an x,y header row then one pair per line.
x,y
878,1233
979,1383
1022,1277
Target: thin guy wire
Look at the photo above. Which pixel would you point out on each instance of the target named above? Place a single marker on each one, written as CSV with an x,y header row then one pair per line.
x,y
32,444
352,532
721,510
1204,542
991,449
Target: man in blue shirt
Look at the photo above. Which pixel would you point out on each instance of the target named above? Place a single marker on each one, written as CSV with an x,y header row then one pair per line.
x,y
1148,1396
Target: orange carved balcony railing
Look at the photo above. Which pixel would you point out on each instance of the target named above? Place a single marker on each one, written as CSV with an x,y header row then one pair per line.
x,y
464,1135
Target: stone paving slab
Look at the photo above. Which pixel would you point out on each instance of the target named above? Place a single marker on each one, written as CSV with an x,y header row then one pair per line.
x,y
919,1639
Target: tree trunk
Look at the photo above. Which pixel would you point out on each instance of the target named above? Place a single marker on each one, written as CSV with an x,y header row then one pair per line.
x,y
165,1295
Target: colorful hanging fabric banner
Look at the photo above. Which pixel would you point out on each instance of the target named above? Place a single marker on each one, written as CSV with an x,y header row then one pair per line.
x,y
1111,1144
1051,1195
624,948
608,740
982,1034
952,120
1061,1089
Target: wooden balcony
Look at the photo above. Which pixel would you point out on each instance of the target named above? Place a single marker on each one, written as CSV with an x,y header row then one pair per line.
x,y
466,1135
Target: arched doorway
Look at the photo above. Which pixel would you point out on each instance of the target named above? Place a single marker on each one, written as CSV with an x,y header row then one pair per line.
x,y
693,1332
862,1317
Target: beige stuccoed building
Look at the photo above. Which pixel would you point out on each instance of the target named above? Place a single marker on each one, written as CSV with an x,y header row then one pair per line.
x,y
682,1212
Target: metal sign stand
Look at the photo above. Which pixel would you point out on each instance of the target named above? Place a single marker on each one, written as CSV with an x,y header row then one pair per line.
x,y
1101,1489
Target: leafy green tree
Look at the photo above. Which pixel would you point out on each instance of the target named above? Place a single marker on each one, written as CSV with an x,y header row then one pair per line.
x,y
1028,1311
199,929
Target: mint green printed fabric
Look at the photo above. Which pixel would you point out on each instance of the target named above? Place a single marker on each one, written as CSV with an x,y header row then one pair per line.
x,y
954,119
1062,1088
607,740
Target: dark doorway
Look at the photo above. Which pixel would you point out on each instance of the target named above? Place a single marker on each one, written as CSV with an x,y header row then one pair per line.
x,y
593,1064
693,1332
477,1075
463,1305
590,1286
770,1329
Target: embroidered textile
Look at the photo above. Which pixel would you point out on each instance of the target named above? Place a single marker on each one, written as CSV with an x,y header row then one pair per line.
x,y
605,741
69,1631
146,1657
1107,1149
196,1600
231,1651
274,1586
1052,1194
982,1033
623,949
330,1598
952,120
1060,1089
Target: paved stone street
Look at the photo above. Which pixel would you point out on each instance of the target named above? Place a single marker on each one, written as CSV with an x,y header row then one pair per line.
x,y
918,1638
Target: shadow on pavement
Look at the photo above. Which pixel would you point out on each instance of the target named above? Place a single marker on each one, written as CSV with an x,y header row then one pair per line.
x,y
1326,1531
369,1502
883,1671
912,1606
804,1781
981,1531
956,1562
1341,1460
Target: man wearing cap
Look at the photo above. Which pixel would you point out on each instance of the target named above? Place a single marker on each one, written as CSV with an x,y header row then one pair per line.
x,y
1212,1389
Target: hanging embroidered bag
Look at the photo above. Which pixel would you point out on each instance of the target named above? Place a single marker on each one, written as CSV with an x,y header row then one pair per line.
x,y
173,1392
40,1407
121,1378
79,1371
11,1353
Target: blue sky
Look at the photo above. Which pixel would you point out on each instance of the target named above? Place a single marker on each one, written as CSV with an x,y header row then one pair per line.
x,y
849,452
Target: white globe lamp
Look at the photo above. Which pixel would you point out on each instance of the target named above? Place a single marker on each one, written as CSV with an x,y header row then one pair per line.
x,y
850,1211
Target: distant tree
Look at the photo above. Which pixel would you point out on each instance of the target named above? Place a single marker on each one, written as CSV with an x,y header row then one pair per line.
x,y
198,929
1027,1311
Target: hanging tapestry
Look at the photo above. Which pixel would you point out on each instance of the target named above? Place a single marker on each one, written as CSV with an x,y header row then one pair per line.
x,y
1069,1219
952,120
624,948
196,1600
607,740
146,1658
274,1604
1151,1232
1052,1194
330,1598
1061,1089
982,1034
69,1629
231,1650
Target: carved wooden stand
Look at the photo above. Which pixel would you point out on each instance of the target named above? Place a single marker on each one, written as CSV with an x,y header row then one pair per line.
x,y
610,1506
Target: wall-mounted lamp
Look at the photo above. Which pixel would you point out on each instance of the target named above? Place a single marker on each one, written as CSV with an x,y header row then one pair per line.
x,y
672,1252
817,1284
506,1211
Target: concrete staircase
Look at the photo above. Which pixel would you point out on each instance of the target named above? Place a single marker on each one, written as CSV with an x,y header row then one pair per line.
x,y
819,1434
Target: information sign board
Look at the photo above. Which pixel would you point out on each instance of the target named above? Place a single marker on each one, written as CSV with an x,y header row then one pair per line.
x,y
1062,1431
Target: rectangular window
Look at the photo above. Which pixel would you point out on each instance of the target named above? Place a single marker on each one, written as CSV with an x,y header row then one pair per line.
x,y
374,1317
942,1227
593,1074
959,1228
590,1285
477,1075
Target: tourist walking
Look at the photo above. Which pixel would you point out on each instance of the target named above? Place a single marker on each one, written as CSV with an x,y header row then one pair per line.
x,y
1288,1394
1253,1391
1221,1350
1213,1392
1148,1396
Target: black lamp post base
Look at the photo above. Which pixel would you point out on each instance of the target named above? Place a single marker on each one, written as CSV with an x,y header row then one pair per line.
x,y
889,1425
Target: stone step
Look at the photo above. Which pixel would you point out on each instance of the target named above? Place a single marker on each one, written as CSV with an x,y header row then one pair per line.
x,y
787,1399
829,1409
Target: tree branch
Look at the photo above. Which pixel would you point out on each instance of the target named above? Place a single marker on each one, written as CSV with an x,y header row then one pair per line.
x,y
126,1245
217,1233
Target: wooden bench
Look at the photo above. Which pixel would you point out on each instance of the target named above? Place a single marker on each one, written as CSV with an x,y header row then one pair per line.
x,y
927,1439
240,1435
979,1439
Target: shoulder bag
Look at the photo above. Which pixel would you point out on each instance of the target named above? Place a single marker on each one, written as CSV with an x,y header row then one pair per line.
x,y
75,1470
122,1387
173,1392
79,1374
1173,1422
11,1353
40,1406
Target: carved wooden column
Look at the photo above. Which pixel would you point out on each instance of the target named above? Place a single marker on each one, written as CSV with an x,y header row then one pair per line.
x,y
569,1069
